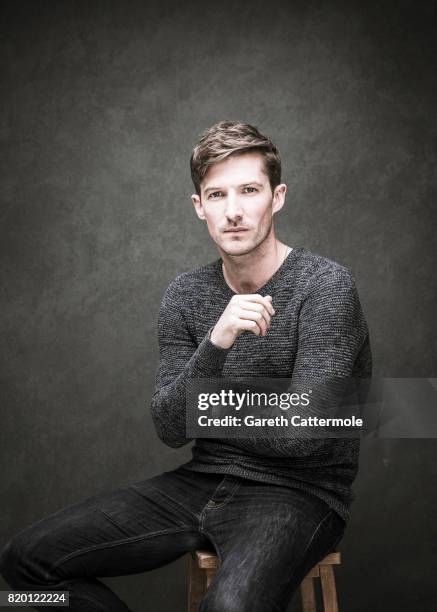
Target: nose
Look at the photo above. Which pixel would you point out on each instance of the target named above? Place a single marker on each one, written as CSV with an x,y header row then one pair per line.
x,y
234,212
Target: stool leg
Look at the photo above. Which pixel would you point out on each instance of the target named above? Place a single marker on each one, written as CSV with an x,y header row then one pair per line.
x,y
210,573
307,595
329,592
196,584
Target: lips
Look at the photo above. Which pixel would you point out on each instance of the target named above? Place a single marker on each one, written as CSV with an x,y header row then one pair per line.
x,y
236,230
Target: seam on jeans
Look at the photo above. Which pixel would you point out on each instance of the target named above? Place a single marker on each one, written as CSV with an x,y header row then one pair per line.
x,y
145,536
178,503
225,501
237,485
316,530
199,516
111,520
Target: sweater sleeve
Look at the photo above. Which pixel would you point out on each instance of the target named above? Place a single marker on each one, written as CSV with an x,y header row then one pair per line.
x,y
332,335
332,329
180,360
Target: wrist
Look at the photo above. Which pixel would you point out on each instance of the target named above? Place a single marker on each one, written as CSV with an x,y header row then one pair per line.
x,y
212,336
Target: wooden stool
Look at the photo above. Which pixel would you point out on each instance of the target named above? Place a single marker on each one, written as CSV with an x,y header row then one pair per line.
x,y
203,565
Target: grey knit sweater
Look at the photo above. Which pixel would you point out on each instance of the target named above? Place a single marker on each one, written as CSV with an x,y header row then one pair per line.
x,y
318,331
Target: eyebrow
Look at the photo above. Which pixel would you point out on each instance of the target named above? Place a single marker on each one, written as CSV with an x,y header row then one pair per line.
x,y
249,183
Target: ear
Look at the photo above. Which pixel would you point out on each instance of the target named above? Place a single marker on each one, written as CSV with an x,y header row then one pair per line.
x,y
279,197
198,206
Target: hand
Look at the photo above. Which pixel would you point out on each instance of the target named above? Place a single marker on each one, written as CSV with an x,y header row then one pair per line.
x,y
251,312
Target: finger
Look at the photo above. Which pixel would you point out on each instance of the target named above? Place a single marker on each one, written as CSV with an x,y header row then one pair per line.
x,y
269,304
256,297
266,301
251,326
261,317
253,297
258,317
257,308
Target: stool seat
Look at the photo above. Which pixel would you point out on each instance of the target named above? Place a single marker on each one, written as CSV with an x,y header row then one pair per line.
x,y
203,565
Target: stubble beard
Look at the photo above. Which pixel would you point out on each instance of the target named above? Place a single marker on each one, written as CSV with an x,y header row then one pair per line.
x,y
255,243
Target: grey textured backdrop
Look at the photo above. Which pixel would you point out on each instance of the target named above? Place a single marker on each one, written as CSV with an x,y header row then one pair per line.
x,y
103,102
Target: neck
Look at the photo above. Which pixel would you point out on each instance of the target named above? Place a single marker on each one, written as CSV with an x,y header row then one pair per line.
x,y
247,273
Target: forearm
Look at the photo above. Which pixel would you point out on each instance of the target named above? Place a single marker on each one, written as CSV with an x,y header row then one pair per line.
x,y
169,399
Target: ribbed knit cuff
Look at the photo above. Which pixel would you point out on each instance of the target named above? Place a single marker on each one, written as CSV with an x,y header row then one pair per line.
x,y
210,357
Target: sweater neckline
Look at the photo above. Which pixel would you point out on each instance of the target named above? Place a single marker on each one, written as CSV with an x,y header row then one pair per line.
x,y
266,287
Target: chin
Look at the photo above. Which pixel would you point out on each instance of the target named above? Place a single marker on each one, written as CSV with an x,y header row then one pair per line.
x,y
236,249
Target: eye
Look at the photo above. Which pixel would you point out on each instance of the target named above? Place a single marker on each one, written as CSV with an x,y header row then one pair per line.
x,y
214,195
249,189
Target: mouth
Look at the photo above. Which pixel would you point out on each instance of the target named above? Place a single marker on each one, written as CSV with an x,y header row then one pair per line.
x,y
236,230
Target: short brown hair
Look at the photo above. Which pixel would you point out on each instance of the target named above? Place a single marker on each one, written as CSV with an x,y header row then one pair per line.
x,y
232,138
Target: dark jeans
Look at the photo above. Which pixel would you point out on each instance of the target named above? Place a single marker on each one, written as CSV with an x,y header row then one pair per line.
x,y
267,538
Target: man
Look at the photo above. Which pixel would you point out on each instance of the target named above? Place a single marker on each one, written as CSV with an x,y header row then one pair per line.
x,y
270,507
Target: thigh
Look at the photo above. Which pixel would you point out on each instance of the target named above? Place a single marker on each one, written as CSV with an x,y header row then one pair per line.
x,y
129,530
269,537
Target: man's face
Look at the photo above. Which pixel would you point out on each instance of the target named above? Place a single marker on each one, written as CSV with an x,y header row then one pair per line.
x,y
237,203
